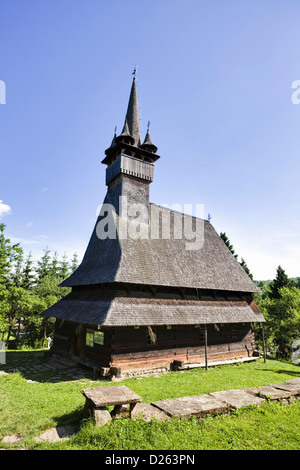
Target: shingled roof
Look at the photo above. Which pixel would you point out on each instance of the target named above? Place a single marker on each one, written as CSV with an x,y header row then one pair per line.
x,y
164,262
121,311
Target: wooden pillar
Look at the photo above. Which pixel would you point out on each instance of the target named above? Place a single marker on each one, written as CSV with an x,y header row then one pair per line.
x,y
263,340
205,343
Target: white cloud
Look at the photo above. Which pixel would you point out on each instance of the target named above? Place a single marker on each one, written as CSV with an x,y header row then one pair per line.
x,y
4,209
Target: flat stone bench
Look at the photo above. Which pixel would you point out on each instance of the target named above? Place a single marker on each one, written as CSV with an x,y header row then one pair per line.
x,y
97,399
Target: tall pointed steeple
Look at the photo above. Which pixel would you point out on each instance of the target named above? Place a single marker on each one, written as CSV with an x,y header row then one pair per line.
x,y
128,147
132,115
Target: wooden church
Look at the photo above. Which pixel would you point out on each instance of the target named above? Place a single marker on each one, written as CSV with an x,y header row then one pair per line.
x,y
147,303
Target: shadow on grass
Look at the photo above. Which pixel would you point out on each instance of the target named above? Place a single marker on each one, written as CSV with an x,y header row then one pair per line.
x,y
75,418
34,366
293,372
283,371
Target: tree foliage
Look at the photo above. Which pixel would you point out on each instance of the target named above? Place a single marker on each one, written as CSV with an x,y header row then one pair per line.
x,y
280,305
279,302
27,288
281,280
243,263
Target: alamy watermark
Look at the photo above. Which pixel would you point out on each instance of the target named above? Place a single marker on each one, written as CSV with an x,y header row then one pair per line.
x,y
143,221
296,94
2,353
2,92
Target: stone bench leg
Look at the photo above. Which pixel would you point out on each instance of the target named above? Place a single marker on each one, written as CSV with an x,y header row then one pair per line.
x,y
131,408
88,408
101,416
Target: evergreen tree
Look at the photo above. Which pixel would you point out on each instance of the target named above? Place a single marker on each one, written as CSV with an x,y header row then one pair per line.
x,y
243,263
227,243
10,256
28,274
44,265
280,281
17,273
246,269
54,265
64,268
74,262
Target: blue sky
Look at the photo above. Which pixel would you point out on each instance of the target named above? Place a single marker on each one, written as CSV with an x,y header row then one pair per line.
x,y
215,80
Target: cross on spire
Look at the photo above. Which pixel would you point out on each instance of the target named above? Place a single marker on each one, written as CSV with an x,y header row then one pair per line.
x,y
134,71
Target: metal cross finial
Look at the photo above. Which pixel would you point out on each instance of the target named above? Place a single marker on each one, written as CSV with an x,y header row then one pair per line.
x,y
209,218
148,125
135,71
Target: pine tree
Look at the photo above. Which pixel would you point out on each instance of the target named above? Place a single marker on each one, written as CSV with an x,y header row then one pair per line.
x,y
246,269
64,267
230,247
17,274
74,262
28,274
10,258
44,265
54,265
227,243
280,281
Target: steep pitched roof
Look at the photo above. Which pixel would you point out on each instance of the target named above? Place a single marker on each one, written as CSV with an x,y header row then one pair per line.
x,y
162,261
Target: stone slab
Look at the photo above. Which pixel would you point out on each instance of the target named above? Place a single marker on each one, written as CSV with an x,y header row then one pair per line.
x,y
270,392
56,434
12,438
293,381
195,405
147,412
294,388
108,396
237,398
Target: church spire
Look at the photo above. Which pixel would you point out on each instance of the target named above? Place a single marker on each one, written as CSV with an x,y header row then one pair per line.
x,y
129,141
132,115
147,144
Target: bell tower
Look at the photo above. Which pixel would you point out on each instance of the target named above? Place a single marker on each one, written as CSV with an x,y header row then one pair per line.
x,y
130,163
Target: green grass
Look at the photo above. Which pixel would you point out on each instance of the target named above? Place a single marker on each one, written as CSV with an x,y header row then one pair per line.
x,y
271,426
29,408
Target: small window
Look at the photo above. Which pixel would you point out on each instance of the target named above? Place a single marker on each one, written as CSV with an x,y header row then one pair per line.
x,y
89,340
94,337
99,337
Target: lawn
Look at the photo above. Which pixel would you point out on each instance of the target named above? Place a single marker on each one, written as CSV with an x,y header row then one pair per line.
x,y
27,408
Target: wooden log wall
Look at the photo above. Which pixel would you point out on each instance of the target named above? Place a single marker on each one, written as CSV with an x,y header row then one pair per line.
x,y
131,350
